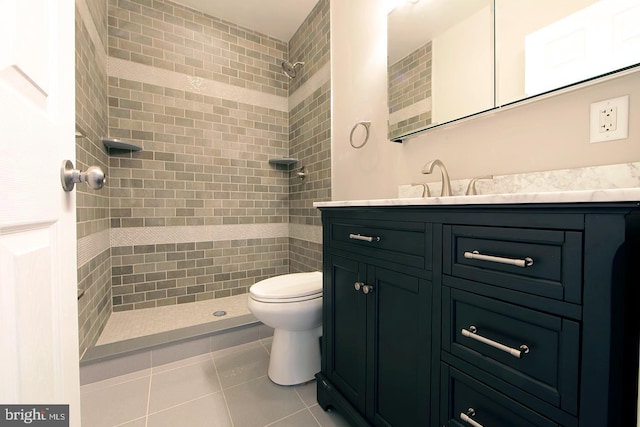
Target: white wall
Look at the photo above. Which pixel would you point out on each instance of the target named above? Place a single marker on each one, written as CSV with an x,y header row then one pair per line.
x,y
359,93
462,81
549,134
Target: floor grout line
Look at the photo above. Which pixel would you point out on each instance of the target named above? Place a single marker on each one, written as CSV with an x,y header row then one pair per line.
x,y
146,421
160,369
181,403
113,381
246,382
224,395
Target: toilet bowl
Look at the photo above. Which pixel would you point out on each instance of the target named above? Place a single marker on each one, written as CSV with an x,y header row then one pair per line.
x,y
292,305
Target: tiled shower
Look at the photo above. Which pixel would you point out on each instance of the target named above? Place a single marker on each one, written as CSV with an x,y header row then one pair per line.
x,y
199,212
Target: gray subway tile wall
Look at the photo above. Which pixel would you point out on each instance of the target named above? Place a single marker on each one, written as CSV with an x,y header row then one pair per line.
x,y
310,137
310,44
147,276
410,83
92,207
181,177
169,36
207,102
311,130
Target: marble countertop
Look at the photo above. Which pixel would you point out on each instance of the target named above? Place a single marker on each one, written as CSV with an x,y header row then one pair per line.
x,y
579,196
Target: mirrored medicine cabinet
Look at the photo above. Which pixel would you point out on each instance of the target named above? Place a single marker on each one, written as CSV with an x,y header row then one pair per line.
x,y
454,59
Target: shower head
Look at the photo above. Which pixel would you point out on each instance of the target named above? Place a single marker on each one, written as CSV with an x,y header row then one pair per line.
x,y
289,69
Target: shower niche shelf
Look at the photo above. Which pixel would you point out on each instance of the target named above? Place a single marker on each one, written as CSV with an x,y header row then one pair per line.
x,y
283,161
118,144
288,161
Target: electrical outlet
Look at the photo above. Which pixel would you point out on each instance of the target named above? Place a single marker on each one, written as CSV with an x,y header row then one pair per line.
x,y
609,119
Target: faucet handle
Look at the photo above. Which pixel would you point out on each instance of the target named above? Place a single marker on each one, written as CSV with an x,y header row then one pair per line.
x,y
471,189
425,188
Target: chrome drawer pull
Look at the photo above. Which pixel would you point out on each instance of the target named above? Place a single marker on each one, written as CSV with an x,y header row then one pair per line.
x,y
467,417
365,238
515,352
527,262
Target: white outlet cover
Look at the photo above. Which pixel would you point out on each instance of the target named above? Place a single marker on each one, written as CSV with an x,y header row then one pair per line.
x,y
622,126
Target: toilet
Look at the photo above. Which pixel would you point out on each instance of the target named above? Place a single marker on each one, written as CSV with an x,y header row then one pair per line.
x,y
292,305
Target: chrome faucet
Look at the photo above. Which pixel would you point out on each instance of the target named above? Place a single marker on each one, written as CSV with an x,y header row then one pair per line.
x,y
446,184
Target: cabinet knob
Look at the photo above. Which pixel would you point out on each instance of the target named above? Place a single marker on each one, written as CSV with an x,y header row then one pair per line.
x,y
367,289
358,285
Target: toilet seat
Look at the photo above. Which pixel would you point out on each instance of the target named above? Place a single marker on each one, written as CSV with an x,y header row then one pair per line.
x,y
288,288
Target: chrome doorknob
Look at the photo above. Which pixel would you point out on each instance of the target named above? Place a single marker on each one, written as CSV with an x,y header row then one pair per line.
x,y
93,176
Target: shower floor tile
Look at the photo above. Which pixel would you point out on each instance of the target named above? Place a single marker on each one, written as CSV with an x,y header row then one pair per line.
x,y
125,325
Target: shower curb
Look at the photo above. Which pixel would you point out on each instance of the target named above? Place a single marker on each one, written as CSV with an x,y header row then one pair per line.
x,y
114,359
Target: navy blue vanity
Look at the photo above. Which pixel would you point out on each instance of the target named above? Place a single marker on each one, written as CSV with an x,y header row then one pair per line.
x,y
480,314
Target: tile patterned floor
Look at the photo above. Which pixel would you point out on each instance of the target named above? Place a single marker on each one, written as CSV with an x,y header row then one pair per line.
x,y
225,388
124,325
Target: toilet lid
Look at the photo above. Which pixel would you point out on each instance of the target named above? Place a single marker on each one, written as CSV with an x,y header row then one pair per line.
x,y
286,286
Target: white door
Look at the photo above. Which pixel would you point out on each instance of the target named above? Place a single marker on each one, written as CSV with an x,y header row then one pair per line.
x,y
38,300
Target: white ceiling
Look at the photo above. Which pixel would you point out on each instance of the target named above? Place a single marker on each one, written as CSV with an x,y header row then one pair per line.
x,y
277,18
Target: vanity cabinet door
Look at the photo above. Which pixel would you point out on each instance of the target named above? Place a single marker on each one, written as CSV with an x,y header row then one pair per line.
x,y
377,325
399,349
345,328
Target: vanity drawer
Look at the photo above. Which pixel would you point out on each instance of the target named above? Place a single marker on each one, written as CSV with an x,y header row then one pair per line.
x,y
404,243
541,262
483,405
490,335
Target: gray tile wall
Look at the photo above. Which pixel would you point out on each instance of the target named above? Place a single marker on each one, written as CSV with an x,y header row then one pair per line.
x,y
310,142
304,255
310,136
146,276
205,159
98,10
410,82
169,36
95,305
94,274
311,44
